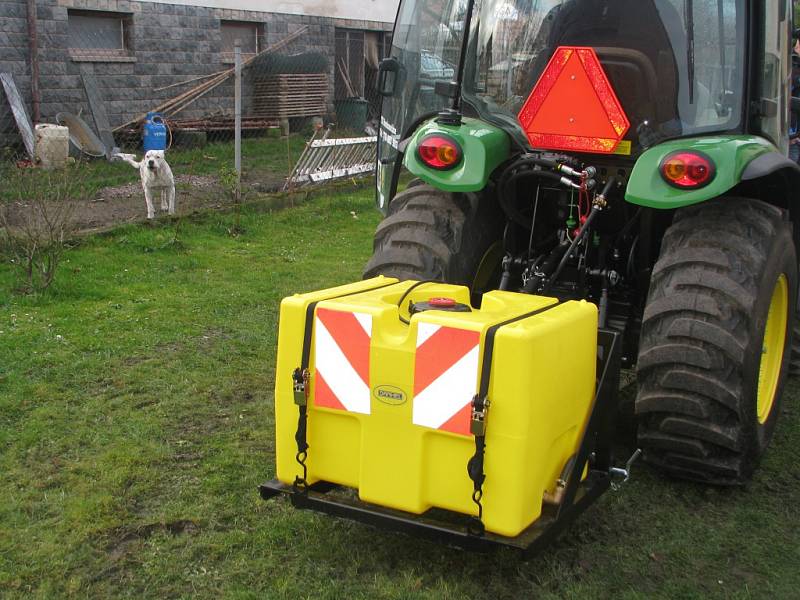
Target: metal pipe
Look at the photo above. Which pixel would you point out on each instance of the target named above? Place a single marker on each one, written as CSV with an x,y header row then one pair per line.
x,y
506,277
463,57
602,313
237,113
33,50
557,497
533,220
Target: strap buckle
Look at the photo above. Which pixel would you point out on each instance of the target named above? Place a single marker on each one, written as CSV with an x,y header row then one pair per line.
x,y
480,409
300,379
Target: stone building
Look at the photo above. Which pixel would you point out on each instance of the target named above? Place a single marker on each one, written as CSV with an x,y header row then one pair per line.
x,y
133,48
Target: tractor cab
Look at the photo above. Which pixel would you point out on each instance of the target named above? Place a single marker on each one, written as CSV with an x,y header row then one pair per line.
x,y
679,68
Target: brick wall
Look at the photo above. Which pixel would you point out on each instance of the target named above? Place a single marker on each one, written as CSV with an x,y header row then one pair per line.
x,y
168,43
13,59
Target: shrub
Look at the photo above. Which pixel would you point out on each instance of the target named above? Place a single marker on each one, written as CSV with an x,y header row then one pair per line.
x,y
36,227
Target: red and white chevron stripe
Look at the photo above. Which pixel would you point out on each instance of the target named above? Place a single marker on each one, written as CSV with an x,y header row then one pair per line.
x,y
341,380
445,377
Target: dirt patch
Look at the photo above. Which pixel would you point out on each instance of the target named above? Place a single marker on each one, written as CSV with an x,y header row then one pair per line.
x,y
124,536
172,527
125,203
124,539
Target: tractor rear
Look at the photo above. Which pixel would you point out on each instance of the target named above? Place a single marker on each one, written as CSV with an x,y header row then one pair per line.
x,y
616,167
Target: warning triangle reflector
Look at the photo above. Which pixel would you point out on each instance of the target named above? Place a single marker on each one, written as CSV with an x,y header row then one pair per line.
x,y
573,106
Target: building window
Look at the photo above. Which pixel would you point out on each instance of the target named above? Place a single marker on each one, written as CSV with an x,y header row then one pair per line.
x,y
101,35
249,34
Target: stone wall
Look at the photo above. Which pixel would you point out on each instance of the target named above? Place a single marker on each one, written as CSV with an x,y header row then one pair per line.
x,y
167,43
13,59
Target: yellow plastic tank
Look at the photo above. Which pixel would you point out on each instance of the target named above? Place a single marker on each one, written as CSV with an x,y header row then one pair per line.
x,y
389,401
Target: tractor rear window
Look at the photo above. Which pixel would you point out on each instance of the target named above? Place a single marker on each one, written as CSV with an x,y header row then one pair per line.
x,y
675,65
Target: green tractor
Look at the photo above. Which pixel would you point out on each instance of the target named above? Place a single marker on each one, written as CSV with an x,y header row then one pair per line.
x,y
628,152
587,185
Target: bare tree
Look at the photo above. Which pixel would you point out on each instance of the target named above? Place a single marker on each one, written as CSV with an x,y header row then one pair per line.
x,y
36,227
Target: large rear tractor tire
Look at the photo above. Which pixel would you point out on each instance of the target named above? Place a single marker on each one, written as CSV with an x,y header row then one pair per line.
x,y
794,366
432,234
716,340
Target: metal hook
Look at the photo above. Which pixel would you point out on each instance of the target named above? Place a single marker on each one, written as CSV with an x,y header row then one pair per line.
x,y
625,473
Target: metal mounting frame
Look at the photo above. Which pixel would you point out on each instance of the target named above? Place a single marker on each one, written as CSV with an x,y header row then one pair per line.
x,y
579,493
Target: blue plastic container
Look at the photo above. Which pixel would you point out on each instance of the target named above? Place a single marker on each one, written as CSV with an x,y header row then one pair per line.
x,y
155,132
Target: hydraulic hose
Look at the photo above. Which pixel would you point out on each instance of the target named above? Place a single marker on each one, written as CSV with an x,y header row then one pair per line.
x,y
549,168
607,188
547,266
508,178
597,207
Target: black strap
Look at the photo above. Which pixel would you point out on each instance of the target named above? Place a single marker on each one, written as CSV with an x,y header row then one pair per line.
x,y
300,382
480,404
488,346
309,324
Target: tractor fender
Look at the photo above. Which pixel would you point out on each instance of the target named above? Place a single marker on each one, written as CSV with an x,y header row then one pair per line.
x,y
738,159
484,147
775,179
770,163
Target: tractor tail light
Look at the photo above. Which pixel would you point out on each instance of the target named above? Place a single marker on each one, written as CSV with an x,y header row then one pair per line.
x,y
439,152
687,170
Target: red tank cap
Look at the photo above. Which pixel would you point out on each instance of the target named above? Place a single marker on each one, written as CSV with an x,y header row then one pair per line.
x,y
442,302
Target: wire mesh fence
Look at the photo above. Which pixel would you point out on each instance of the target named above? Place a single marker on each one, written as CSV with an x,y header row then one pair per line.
x,y
110,86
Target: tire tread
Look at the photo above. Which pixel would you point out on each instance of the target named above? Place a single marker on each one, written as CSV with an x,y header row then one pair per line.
x,y
694,417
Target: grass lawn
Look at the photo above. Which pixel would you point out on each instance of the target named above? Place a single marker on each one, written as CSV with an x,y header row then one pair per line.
x,y
136,423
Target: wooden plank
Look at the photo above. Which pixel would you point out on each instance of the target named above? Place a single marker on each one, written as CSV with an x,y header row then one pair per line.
x,y
291,92
290,83
260,112
280,90
292,78
277,88
99,115
295,77
287,97
280,97
275,109
295,99
276,81
280,83
289,103
20,114
282,102
290,113
295,103
281,93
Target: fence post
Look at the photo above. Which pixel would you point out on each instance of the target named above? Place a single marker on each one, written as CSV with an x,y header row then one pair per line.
x,y
237,58
33,51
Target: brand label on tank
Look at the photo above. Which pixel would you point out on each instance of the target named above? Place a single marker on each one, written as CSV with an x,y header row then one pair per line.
x,y
389,394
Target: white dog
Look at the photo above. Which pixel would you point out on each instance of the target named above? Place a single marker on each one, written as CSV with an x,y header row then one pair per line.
x,y
156,177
